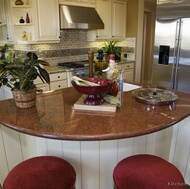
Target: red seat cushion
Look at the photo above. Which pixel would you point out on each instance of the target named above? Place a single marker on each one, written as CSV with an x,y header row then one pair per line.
x,y
147,172
44,172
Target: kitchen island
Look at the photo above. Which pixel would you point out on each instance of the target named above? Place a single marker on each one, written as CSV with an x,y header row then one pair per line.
x,y
54,117
92,142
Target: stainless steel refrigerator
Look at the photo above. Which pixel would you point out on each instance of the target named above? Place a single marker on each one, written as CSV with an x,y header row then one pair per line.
x,y
171,66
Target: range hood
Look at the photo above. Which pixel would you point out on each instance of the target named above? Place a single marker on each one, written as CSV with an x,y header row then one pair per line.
x,y
76,17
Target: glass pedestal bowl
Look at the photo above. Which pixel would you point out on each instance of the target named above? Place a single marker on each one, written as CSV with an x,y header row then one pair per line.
x,y
93,92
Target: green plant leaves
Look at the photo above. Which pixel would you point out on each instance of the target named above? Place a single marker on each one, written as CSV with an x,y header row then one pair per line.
x,y
10,55
43,74
19,74
110,48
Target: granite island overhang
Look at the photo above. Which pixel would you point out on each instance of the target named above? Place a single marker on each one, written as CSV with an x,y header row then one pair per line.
x,y
54,117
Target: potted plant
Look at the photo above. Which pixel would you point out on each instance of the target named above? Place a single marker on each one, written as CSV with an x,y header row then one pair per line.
x,y
111,48
19,74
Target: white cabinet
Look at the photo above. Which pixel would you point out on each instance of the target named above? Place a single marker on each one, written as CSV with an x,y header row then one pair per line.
x,y
113,14
58,80
5,93
1,94
43,25
3,22
128,68
128,75
43,87
48,20
104,8
119,18
18,29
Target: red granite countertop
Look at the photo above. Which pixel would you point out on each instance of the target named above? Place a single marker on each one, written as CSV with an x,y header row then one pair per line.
x,y
54,117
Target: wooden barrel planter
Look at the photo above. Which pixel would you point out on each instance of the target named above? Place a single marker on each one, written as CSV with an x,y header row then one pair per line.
x,y
25,99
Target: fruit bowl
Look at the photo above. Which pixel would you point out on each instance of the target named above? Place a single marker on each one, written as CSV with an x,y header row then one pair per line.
x,y
93,92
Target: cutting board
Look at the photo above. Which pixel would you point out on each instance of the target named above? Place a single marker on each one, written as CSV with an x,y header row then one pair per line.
x,y
105,107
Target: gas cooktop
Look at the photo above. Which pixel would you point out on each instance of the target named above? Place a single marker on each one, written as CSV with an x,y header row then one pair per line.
x,y
79,64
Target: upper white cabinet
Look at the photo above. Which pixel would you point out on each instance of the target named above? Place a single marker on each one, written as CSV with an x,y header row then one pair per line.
x,y
104,8
119,19
3,22
43,24
21,32
48,20
113,14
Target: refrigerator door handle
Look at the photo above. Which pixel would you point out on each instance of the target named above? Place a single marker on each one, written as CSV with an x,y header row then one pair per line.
x,y
177,50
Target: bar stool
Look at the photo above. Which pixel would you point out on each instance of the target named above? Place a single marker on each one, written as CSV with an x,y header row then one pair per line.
x,y
147,172
43,172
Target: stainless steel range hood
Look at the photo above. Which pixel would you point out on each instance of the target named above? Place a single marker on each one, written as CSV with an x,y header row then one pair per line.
x,y
75,17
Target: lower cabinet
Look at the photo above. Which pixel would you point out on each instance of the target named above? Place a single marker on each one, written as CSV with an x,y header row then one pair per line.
x,y
41,87
1,94
58,80
5,93
128,68
58,84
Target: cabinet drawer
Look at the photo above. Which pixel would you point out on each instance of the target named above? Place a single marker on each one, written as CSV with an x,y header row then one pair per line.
x,y
127,66
38,81
44,87
57,76
58,84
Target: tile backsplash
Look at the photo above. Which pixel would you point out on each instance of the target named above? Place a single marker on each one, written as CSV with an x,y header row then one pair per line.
x,y
72,47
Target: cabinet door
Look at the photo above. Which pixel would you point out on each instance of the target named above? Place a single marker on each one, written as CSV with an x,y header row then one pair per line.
x,y
3,22
1,94
7,94
104,10
48,20
119,19
128,75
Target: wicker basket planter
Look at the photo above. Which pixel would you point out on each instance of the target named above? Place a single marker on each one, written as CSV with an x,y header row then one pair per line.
x,y
25,99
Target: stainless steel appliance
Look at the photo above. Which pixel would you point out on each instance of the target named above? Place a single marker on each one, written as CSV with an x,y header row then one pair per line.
x,y
77,17
80,69
171,67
